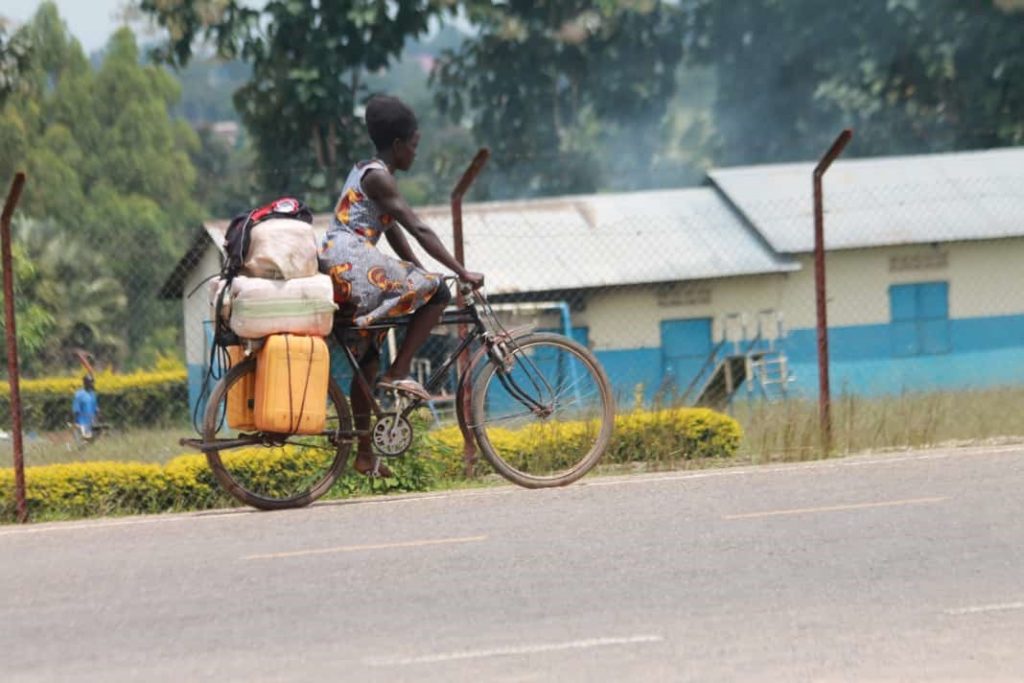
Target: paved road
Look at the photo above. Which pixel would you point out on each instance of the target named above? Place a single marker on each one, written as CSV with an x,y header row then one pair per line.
x,y
907,567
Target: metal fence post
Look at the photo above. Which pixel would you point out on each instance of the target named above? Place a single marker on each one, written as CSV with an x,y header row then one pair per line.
x,y
472,171
824,391
21,505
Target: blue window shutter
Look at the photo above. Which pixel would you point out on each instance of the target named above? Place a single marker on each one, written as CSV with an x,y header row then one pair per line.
x,y
903,302
933,300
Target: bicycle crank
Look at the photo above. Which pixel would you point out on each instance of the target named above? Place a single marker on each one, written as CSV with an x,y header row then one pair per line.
x,y
392,435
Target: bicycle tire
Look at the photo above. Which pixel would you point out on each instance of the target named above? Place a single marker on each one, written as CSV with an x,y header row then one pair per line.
x,y
232,479
526,442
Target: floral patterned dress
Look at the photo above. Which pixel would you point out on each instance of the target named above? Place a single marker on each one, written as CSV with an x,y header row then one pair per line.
x,y
369,285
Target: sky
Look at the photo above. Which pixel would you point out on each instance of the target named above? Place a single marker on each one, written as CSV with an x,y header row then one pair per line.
x,y
91,21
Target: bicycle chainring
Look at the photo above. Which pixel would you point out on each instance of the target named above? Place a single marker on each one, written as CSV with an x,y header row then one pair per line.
x,y
392,435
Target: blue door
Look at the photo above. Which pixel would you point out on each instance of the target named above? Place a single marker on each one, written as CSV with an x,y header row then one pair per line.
x,y
685,346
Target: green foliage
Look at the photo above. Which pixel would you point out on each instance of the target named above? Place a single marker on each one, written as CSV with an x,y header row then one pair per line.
x,y
910,76
659,436
109,193
186,483
73,280
548,84
679,433
139,399
35,321
308,75
14,58
90,489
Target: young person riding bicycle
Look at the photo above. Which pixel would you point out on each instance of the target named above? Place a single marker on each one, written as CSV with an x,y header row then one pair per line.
x,y
369,285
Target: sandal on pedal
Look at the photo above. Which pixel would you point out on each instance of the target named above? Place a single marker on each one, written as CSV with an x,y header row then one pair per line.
x,y
406,385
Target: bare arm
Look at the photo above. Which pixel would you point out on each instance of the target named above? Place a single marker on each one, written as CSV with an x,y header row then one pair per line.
x,y
396,238
382,188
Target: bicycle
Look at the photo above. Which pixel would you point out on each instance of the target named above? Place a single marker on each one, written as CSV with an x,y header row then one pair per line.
x,y
541,412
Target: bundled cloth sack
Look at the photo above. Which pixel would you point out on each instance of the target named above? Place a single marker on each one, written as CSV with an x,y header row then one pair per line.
x,y
281,249
258,307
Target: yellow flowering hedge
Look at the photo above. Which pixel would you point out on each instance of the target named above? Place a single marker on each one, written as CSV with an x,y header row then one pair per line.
x,y
148,398
186,483
90,489
639,435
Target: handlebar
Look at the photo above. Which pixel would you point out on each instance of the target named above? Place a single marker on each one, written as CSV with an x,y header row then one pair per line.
x,y
464,288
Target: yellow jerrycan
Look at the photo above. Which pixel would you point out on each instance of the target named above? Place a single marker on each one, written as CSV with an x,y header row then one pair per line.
x,y
241,396
292,373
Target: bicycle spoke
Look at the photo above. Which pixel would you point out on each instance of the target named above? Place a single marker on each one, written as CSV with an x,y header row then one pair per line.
x,y
275,471
549,417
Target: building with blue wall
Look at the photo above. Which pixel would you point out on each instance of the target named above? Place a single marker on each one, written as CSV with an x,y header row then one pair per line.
x,y
925,287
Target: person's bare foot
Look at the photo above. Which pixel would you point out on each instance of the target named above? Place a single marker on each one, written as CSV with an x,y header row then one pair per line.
x,y
364,465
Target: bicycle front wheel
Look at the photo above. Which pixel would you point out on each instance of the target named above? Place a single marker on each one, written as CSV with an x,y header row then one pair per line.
x,y
275,471
544,416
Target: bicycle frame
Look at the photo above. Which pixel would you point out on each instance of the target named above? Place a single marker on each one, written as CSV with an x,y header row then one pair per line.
x,y
462,316
467,315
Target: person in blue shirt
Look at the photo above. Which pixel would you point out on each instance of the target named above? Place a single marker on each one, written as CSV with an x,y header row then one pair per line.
x,y
85,407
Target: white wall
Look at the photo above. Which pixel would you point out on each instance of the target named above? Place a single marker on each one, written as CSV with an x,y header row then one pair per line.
x,y
985,279
630,317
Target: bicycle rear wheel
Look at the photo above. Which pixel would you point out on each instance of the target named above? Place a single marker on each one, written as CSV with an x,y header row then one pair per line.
x,y
278,471
545,416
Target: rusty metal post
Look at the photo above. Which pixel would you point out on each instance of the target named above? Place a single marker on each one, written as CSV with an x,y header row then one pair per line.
x,y
824,391
21,506
469,456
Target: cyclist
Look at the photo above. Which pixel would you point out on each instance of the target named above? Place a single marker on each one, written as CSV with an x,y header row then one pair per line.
x,y
85,407
370,285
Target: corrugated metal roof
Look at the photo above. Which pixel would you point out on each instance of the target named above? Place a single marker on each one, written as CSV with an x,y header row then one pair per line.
x,y
884,201
582,242
610,239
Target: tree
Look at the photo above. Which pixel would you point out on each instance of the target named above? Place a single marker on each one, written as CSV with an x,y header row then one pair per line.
x,y
547,84
35,321
309,63
911,77
14,59
109,171
73,283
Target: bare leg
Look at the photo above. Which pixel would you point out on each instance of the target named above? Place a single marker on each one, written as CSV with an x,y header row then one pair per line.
x,y
361,412
423,321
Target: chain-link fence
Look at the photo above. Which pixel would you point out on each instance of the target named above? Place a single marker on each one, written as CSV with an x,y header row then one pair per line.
x,y
702,295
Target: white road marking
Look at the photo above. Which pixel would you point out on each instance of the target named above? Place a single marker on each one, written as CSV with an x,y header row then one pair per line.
x,y
538,648
374,546
836,508
978,609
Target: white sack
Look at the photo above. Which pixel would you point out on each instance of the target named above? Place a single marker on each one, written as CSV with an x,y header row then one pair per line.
x,y
281,248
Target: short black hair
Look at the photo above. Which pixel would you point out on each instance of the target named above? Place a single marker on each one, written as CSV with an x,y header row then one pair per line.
x,y
389,119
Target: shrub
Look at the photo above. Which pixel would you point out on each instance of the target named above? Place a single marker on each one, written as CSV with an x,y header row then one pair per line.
x,y
87,489
662,435
186,482
91,489
158,398
673,434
